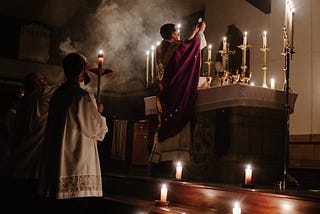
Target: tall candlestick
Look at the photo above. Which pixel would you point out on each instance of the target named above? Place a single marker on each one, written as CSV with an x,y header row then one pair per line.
x,y
178,171
264,39
152,63
248,175
245,38
147,68
164,192
209,53
224,43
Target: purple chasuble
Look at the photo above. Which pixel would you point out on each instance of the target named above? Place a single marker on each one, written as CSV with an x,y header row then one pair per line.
x,y
180,83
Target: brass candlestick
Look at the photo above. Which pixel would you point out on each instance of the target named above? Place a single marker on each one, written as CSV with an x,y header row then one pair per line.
x,y
209,77
244,76
224,73
264,50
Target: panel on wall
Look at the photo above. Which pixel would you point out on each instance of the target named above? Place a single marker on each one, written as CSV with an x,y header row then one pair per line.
x,y
263,5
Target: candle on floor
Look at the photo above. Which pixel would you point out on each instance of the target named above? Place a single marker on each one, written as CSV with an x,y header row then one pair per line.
x,y
236,209
178,171
164,192
248,175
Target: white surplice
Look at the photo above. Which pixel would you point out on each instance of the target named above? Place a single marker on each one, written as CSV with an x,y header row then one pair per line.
x,y
71,166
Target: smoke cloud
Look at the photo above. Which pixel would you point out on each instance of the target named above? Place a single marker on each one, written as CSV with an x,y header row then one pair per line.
x,y
124,30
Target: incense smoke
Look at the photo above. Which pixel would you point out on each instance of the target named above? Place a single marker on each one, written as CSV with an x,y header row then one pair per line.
x,y
124,30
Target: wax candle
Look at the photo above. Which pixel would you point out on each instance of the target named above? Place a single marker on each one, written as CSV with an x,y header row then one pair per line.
x,y
152,63
178,170
224,43
292,27
100,59
272,83
245,38
147,67
286,14
236,208
264,39
209,53
248,175
164,192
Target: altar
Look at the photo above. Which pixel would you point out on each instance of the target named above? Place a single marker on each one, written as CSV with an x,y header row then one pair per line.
x,y
236,125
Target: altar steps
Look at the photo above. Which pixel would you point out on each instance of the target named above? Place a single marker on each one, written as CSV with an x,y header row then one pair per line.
x,y
138,194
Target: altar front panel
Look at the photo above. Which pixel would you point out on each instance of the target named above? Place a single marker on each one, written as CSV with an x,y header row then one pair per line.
x,y
236,125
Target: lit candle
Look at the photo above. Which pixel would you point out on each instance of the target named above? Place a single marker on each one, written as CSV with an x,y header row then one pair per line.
x,y
292,27
178,170
179,27
209,53
236,208
264,39
245,38
152,63
248,175
272,83
164,192
286,14
224,43
100,59
147,68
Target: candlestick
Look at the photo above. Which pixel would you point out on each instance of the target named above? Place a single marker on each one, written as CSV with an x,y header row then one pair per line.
x,y
209,53
164,192
178,171
236,209
245,38
224,43
248,175
147,68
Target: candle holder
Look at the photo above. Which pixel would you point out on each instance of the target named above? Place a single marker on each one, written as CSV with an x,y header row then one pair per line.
x,y
244,75
264,66
207,84
224,73
161,203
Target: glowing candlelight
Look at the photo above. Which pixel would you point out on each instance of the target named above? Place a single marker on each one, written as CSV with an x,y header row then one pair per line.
x,y
164,192
248,175
209,53
292,26
236,208
264,39
100,59
224,43
286,14
245,38
178,170
147,68
272,83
